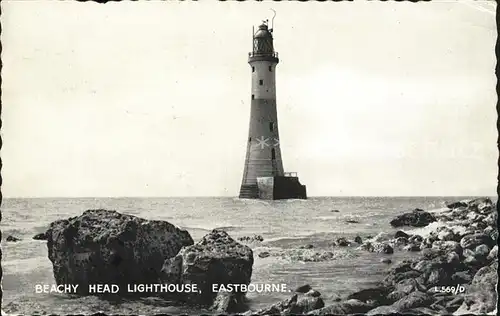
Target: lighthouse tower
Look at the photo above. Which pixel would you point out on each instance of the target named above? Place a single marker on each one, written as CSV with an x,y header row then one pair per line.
x,y
263,175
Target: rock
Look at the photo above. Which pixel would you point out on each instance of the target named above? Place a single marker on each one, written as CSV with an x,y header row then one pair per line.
x,y
404,288
313,293
225,301
382,236
446,234
376,294
107,247
382,310
445,247
358,240
335,211
386,260
264,254
342,242
493,253
215,259
482,205
452,258
293,305
417,218
481,296
352,221
461,277
351,306
412,247
41,236
308,246
457,205
383,248
400,241
482,251
11,238
415,238
303,289
413,300
474,240
401,233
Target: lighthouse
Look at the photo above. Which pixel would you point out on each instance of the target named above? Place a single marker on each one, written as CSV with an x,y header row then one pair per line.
x,y
263,174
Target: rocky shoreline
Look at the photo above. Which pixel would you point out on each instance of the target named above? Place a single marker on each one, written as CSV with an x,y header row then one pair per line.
x,y
455,271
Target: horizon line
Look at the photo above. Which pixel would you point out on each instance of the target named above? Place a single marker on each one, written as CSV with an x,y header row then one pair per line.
x,y
231,196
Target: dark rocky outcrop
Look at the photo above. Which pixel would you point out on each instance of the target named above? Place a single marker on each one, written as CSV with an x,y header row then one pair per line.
x,y
215,259
107,247
416,218
11,238
303,301
40,236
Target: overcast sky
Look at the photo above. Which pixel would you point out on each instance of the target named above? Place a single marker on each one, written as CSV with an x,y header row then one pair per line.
x,y
153,98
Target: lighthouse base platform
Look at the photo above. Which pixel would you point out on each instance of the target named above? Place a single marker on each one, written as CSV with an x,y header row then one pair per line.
x,y
274,188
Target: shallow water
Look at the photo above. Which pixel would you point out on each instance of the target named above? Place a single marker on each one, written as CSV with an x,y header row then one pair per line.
x,y
285,226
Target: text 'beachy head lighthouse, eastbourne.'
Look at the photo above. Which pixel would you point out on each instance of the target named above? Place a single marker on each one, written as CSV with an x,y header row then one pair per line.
x,y
263,174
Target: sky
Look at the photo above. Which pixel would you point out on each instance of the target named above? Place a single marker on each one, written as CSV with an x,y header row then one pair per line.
x,y
153,98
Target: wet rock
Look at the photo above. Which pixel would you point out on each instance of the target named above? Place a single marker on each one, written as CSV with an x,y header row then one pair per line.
x,y
41,236
313,293
493,253
11,238
264,254
452,258
215,259
445,247
415,238
401,233
297,304
481,205
416,218
224,302
482,251
352,221
383,248
358,240
335,211
400,241
404,288
383,310
107,247
303,288
375,294
351,306
342,242
412,247
413,300
481,296
308,246
457,205
386,260
461,277
473,240
447,234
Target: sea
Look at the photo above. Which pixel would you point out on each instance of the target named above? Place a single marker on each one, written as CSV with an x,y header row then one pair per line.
x,y
286,227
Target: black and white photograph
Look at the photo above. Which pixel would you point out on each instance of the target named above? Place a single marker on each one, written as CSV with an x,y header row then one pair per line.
x,y
249,157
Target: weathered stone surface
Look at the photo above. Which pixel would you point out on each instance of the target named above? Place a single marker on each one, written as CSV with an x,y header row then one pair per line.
x,y
342,242
416,218
474,240
351,306
401,233
481,296
358,240
383,248
215,259
413,300
107,247
457,205
298,304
